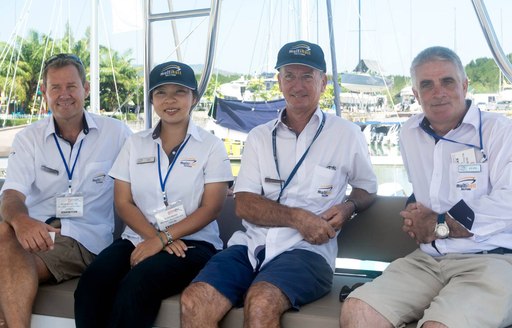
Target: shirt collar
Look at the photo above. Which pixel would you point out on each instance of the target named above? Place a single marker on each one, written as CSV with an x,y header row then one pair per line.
x,y
282,115
87,121
192,130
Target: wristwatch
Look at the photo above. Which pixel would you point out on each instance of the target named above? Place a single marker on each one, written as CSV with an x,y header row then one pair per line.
x,y
442,230
354,214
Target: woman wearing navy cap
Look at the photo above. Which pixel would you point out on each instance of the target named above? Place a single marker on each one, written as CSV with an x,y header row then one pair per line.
x,y
170,184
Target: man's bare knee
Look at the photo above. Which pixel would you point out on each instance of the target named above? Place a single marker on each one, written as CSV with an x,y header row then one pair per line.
x,y
202,306
264,296
264,305
356,313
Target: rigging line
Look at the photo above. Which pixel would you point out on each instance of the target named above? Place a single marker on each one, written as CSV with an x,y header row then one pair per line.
x,y
379,67
25,23
195,5
53,27
11,47
68,25
110,58
39,80
7,48
256,39
268,54
43,59
59,16
395,33
230,29
175,32
186,37
15,35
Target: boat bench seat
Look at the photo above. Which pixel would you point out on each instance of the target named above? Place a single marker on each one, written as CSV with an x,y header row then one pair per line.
x,y
375,234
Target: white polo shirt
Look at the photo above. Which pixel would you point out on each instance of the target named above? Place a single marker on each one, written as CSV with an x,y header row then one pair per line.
x,y
203,160
438,182
36,169
338,157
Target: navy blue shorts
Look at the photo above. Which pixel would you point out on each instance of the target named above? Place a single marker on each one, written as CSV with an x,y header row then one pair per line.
x,y
301,275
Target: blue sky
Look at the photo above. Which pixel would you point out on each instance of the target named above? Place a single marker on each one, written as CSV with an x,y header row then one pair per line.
x,y
251,31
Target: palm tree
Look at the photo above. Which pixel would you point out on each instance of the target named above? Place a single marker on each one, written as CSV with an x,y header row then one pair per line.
x,y
120,81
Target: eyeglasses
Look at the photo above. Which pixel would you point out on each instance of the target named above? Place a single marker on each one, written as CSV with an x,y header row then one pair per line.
x,y
63,56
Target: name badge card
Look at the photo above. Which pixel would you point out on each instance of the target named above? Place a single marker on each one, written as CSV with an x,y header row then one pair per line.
x,y
172,214
466,156
145,160
69,205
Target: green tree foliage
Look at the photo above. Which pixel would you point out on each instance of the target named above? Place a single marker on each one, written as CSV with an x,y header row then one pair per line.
x,y
327,98
399,82
258,89
20,72
120,82
483,75
209,94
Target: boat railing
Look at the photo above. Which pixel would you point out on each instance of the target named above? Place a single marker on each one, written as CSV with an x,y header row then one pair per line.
x,y
150,18
492,40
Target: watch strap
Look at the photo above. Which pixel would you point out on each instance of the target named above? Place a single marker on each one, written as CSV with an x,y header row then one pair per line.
x,y
168,235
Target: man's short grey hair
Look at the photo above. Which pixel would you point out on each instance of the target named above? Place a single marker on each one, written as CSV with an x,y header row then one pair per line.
x,y
433,54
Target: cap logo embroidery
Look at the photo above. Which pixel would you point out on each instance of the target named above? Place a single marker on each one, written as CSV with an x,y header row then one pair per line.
x,y
171,70
300,50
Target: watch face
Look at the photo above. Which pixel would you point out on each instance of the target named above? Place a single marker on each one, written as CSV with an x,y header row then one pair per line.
x,y
442,230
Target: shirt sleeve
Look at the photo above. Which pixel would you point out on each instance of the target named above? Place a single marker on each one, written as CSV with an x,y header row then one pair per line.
x,y
249,176
218,168
21,164
362,175
121,167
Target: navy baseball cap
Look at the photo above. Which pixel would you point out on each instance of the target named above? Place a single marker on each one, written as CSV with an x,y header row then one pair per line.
x,y
172,72
302,53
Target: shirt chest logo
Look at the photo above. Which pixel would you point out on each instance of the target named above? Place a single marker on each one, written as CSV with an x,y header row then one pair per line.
x,y
188,162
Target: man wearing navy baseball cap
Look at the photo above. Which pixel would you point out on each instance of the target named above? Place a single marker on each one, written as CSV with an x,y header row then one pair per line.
x,y
291,194
302,53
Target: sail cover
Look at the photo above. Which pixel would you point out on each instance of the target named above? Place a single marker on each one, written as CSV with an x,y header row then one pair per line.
x,y
244,115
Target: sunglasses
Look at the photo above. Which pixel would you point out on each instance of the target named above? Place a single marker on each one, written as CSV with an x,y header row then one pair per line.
x,y
54,58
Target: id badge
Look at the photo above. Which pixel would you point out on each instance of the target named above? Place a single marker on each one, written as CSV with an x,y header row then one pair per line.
x,y
69,205
172,214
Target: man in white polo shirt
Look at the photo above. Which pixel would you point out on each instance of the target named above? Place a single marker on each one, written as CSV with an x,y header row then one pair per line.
x,y
57,199
459,162
291,193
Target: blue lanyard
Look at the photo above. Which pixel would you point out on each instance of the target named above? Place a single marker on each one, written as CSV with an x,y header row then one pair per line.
x,y
163,182
299,163
481,147
70,173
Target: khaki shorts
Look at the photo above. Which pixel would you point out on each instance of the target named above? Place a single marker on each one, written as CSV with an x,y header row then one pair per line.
x,y
458,290
68,259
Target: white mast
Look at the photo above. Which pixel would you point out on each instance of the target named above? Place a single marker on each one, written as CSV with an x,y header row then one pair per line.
x,y
304,20
95,63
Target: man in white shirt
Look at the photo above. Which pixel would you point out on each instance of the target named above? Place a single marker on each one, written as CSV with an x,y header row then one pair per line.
x,y
57,199
291,193
460,165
